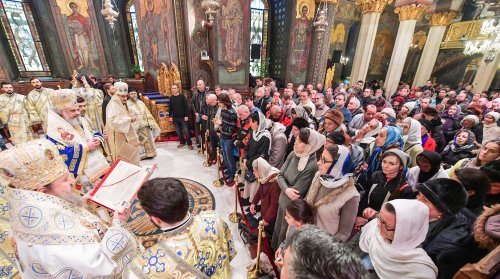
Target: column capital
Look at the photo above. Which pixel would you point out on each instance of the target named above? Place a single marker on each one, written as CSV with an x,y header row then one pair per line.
x,y
372,6
442,19
410,12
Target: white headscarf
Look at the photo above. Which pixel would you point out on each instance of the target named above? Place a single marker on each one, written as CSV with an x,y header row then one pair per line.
x,y
401,258
262,131
410,106
265,170
315,142
370,136
414,134
341,171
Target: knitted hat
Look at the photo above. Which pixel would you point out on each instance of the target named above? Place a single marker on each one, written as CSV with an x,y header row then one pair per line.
x,y
494,114
403,157
337,137
472,117
399,99
389,111
334,115
426,123
447,195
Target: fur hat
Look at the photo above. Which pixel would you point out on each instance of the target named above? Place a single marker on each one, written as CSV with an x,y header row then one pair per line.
x,y
337,137
447,195
335,115
475,108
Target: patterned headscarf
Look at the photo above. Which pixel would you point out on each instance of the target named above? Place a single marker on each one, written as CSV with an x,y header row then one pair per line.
x,y
455,147
394,135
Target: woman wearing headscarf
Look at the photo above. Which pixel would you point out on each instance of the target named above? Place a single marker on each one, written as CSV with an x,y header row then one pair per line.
x,y
268,193
407,110
296,176
366,135
259,145
393,239
472,122
300,112
449,231
333,195
460,148
491,130
387,138
385,185
428,167
412,136
451,124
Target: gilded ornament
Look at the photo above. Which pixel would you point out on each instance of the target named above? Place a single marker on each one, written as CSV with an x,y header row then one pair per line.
x,y
328,1
372,6
443,19
411,12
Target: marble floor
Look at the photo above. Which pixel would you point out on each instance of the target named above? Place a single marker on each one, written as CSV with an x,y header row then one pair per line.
x,y
187,163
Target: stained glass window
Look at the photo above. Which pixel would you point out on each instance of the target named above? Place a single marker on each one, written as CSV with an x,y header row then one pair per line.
x,y
134,34
258,36
18,24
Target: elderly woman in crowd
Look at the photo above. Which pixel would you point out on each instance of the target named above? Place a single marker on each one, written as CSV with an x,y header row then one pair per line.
x,y
366,135
385,185
491,130
333,121
332,194
460,148
413,141
296,176
407,110
472,122
393,240
267,194
449,230
451,122
428,167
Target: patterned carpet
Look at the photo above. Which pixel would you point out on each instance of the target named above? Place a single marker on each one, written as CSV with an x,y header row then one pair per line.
x,y
200,199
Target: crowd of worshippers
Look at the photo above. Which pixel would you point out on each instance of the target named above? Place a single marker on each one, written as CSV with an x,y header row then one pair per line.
x,y
407,181
347,184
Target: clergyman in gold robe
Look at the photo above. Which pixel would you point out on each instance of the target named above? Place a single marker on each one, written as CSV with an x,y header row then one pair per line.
x,y
83,86
38,103
146,127
123,140
14,114
190,247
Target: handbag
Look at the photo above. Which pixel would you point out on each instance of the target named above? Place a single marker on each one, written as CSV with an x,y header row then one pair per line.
x,y
250,177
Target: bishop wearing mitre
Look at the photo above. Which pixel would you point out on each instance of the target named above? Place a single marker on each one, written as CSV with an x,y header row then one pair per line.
x,y
53,233
123,140
78,143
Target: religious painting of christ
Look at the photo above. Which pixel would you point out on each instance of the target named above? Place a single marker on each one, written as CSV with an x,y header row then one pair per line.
x,y
150,28
232,35
301,39
76,21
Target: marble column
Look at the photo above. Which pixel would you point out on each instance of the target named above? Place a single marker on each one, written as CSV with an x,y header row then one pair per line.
x,y
439,21
371,10
323,28
408,16
485,74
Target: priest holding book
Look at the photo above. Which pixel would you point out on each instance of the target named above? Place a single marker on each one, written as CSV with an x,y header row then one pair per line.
x,y
123,140
190,246
78,144
53,233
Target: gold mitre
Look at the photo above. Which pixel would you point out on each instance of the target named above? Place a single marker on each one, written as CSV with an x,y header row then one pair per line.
x,y
31,165
121,88
63,98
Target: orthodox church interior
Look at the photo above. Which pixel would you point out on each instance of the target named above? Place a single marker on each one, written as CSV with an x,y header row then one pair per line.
x,y
154,44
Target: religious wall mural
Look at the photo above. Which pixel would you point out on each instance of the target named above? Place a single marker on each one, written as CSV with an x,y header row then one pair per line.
x,y
197,42
157,33
382,51
301,40
232,54
80,34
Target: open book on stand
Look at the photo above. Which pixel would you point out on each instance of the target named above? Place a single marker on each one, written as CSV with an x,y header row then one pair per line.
x,y
118,188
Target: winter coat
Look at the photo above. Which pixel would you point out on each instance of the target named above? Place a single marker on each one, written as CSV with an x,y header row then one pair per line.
x,y
279,145
451,158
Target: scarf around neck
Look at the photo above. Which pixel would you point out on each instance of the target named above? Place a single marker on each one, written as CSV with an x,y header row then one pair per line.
x,y
315,142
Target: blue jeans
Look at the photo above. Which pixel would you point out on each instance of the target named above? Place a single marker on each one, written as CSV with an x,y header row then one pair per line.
x,y
227,153
182,130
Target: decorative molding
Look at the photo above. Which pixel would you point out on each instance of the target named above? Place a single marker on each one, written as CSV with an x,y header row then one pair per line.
x,y
442,19
460,32
372,6
411,12
328,1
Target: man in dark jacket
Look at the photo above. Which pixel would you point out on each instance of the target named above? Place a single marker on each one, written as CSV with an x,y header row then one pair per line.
x,y
200,110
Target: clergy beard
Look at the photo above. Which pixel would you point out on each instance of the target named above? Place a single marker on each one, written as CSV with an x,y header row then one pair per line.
x,y
73,122
73,198
38,87
133,99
